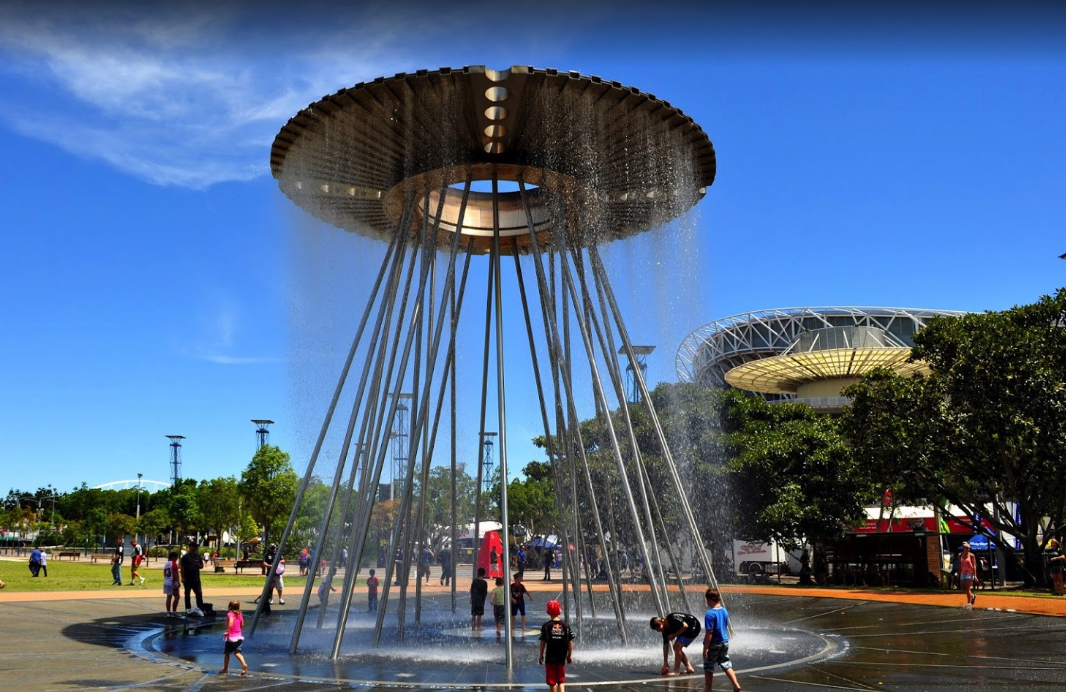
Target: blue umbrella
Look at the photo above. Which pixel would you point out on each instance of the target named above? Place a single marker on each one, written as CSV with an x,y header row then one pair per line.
x,y
978,542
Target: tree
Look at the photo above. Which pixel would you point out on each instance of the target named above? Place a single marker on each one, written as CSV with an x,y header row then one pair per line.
x,y
796,477
120,526
531,499
218,502
153,524
986,430
269,487
183,507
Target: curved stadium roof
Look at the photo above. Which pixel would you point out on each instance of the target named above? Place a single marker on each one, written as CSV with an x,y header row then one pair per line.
x,y
751,345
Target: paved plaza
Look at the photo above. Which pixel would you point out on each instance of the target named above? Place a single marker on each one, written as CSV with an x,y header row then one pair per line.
x,y
869,640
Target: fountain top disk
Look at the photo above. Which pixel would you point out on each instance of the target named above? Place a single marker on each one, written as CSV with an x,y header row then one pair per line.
x,y
599,160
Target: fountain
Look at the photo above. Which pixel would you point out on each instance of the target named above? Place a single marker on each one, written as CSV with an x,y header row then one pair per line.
x,y
460,166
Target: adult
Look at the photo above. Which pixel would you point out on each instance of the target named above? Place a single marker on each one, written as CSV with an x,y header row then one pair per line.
x,y
191,563
35,562
967,574
681,629
494,562
549,558
520,560
135,561
344,557
445,558
116,564
426,562
305,561
268,558
1056,560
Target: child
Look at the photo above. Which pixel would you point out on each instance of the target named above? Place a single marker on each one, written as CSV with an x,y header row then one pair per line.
x,y
519,592
372,593
172,584
499,602
325,588
479,591
233,638
558,639
682,629
716,641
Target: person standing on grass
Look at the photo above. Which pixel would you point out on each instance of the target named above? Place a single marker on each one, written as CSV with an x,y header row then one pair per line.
x,y
35,562
1056,561
135,562
116,564
479,591
234,638
44,562
968,575
172,584
716,641
556,648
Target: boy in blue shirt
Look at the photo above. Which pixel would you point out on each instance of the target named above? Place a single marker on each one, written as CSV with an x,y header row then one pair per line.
x,y
716,641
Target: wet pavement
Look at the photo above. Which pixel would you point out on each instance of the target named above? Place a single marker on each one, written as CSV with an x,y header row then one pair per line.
x,y
802,640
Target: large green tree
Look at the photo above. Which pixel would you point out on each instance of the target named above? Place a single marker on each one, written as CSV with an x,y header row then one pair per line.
x,y
219,503
795,476
986,430
269,486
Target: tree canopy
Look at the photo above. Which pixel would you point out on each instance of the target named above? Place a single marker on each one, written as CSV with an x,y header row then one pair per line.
x,y
986,430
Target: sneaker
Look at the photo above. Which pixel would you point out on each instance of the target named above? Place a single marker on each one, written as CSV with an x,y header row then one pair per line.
x,y
271,601
967,607
130,584
281,601
142,581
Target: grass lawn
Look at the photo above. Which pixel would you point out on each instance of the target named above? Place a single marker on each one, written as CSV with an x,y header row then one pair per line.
x,y
84,576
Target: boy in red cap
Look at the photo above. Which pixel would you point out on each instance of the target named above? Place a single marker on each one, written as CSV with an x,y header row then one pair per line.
x,y
557,640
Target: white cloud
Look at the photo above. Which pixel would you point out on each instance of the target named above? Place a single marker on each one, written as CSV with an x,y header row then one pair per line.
x,y
179,97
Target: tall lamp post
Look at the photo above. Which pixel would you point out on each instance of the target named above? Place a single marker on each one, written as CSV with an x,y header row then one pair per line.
x,y
139,476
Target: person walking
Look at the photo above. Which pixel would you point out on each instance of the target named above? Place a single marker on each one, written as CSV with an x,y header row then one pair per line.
x,y
681,629
479,591
44,561
35,562
191,563
116,564
135,561
234,638
716,641
520,560
172,584
968,575
427,562
549,558
556,648
445,559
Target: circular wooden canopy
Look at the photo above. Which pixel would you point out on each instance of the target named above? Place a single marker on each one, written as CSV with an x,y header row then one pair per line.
x,y
599,160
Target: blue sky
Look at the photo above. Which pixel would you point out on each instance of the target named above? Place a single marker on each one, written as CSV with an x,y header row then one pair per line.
x,y
155,281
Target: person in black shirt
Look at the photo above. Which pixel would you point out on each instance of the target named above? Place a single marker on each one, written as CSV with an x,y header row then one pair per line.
x,y
682,629
191,563
479,591
556,648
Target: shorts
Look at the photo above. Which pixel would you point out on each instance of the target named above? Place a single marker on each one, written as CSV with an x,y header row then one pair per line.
x,y
554,674
685,641
966,577
232,647
477,609
499,614
279,583
717,654
137,560
519,607
171,589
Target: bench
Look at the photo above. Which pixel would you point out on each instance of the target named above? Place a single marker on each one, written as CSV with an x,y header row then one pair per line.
x,y
101,557
73,555
221,565
241,564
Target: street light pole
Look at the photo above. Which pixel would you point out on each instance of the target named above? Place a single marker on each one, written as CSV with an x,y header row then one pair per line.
x,y
139,476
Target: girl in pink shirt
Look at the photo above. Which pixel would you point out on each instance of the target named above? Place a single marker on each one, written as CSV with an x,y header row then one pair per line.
x,y
234,638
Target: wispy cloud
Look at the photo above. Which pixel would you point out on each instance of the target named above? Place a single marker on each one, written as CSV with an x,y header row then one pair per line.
x,y
185,95
216,333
